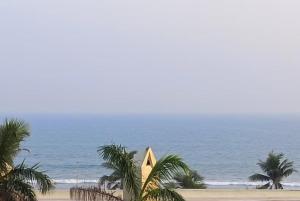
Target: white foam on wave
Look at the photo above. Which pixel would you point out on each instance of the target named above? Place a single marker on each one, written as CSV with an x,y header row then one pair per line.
x,y
245,183
75,181
211,183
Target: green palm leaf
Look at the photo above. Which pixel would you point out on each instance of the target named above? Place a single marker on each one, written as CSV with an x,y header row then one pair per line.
x,y
275,169
17,189
164,194
288,172
32,175
121,161
192,180
17,182
12,133
265,186
164,170
110,166
117,156
259,177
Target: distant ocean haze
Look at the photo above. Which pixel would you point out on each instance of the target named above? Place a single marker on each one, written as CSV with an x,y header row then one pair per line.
x,y
224,149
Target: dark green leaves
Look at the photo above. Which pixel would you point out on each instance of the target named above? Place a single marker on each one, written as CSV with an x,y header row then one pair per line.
x,y
17,182
12,133
33,176
259,177
192,180
275,169
162,194
165,169
118,157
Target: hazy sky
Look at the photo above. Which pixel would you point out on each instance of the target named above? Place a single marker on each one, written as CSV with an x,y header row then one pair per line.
x,y
158,56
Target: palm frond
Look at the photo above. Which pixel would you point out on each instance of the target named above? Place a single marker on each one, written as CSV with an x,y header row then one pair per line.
x,y
172,185
285,165
276,168
109,165
259,177
114,185
196,176
273,160
162,194
164,170
131,154
288,172
32,175
192,180
265,186
119,157
12,133
17,182
18,189
263,166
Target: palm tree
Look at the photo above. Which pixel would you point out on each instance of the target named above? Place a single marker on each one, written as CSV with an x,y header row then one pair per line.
x,y
192,180
276,168
114,180
154,187
17,182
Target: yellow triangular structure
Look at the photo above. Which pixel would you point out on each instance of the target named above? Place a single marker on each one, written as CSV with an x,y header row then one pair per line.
x,y
145,162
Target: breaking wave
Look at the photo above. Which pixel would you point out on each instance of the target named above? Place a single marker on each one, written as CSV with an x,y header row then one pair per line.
x,y
210,183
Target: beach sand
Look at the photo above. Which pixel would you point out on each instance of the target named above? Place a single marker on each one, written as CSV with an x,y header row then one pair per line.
x,y
208,195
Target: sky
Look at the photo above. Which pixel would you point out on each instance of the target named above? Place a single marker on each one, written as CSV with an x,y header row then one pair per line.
x,y
158,56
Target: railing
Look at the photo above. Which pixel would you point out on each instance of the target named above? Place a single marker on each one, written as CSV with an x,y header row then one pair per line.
x,y
92,194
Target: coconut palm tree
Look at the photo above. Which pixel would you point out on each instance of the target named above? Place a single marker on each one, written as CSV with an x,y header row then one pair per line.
x,y
192,180
154,187
276,167
17,182
114,180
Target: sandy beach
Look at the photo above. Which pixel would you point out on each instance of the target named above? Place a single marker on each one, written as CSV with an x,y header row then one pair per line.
x,y
208,195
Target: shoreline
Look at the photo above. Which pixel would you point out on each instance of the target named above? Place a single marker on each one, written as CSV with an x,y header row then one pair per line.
x,y
205,195
210,185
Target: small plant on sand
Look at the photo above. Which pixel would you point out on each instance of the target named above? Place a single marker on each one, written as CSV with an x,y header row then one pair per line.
x,y
192,180
276,168
154,187
17,182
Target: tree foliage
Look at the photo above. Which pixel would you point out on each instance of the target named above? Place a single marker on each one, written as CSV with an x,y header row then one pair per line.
x,y
275,169
154,187
17,182
192,180
114,180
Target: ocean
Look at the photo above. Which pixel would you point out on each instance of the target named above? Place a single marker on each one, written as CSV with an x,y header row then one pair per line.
x,y
222,148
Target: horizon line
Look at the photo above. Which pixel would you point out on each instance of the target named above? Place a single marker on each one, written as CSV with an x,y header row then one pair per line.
x,y
152,114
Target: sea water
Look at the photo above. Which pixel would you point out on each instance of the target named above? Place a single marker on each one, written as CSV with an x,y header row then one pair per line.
x,y
222,148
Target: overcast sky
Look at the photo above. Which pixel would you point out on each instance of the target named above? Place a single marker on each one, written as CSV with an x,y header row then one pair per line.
x,y
158,56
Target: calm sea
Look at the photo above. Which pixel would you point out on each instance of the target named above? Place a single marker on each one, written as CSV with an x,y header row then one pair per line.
x,y
224,149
